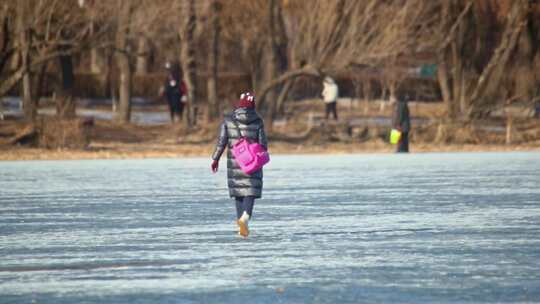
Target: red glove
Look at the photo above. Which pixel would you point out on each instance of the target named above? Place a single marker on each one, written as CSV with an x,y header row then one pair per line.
x,y
214,166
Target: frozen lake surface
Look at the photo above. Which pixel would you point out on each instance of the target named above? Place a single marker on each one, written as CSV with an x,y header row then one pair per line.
x,y
419,228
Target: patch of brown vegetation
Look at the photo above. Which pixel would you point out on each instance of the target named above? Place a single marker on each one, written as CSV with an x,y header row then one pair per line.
x,y
303,132
55,133
16,133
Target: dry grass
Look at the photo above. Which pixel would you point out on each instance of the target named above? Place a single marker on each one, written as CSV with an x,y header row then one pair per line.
x,y
141,151
112,141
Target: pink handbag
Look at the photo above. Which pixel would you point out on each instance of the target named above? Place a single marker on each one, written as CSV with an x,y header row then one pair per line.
x,y
249,156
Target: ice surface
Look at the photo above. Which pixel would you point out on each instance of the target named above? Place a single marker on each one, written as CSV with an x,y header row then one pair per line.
x,y
418,228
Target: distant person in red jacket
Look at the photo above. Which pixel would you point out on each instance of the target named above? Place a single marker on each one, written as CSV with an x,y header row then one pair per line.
x,y
174,90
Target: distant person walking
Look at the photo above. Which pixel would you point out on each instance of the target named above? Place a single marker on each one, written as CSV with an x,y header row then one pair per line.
x,y
244,188
401,121
330,94
174,90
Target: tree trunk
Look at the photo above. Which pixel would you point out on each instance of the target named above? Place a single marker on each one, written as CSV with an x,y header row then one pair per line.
x,y
40,84
457,70
283,96
366,88
392,88
270,100
489,81
6,35
11,81
213,54
24,44
463,101
15,61
384,96
96,61
508,129
29,108
65,103
276,60
123,112
442,76
143,51
449,55
256,72
187,36
111,85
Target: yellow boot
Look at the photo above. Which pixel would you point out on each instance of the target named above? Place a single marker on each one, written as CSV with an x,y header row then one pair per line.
x,y
242,222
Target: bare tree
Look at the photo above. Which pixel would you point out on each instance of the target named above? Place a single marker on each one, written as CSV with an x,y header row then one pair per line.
x,y
187,58
277,60
213,56
65,105
29,107
143,54
486,88
7,49
333,35
46,30
245,37
123,113
476,44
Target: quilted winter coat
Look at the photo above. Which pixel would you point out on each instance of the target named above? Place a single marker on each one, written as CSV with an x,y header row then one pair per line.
x,y
250,125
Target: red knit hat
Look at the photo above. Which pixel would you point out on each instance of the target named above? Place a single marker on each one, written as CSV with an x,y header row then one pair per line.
x,y
247,100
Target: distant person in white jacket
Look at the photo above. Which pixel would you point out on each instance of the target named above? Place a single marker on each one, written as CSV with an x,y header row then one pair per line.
x,y
330,94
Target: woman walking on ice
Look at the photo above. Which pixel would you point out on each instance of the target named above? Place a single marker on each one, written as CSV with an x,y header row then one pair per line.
x,y
244,188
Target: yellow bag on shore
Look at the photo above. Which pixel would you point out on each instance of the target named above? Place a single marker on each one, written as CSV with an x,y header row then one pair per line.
x,y
395,136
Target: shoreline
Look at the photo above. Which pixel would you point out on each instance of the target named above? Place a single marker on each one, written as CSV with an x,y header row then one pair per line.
x,y
138,151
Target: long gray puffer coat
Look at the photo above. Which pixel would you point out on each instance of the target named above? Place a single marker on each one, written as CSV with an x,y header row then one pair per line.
x,y
251,126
